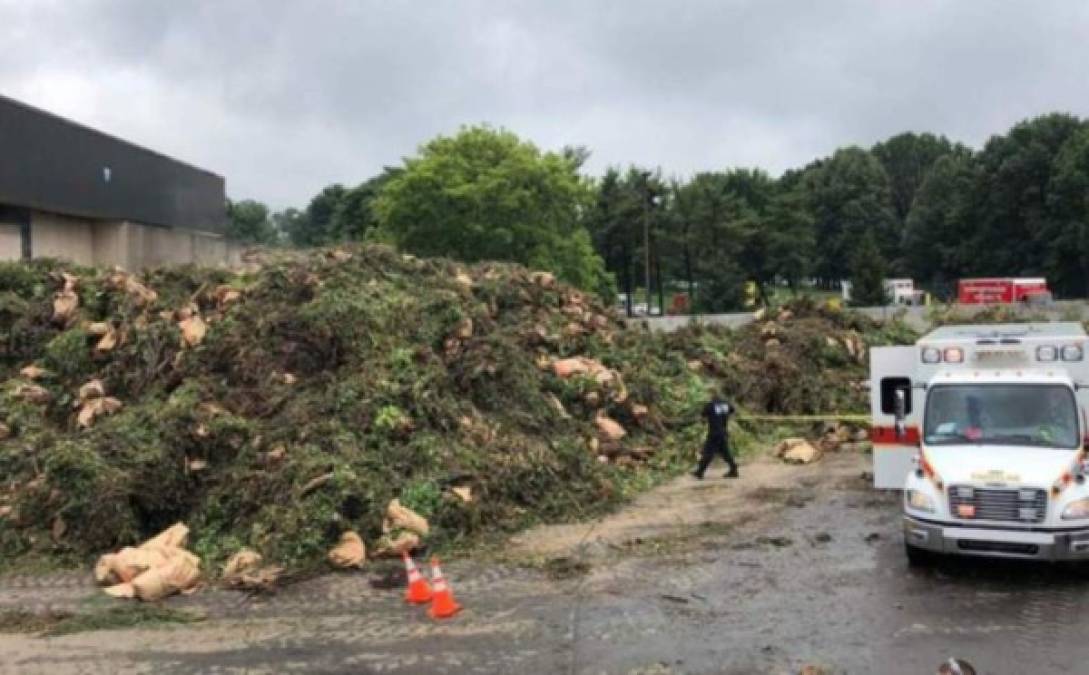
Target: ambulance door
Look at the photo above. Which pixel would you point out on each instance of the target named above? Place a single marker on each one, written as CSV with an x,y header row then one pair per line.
x,y
891,372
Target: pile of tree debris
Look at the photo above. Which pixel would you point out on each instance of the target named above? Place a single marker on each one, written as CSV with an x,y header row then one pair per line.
x,y
279,408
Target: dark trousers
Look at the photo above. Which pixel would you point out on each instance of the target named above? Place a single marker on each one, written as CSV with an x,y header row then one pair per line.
x,y
715,445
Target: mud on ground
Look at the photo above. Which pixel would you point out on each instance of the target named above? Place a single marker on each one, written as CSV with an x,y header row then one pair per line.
x,y
787,567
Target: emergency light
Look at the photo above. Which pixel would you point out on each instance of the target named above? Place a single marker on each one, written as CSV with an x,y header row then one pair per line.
x,y
953,355
1053,353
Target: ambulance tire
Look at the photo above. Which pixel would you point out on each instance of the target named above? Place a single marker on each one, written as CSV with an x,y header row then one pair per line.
x,y
918,557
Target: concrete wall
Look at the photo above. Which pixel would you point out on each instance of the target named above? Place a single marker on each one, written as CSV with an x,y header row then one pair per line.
x,y
134,246
115,243
55,236
11,241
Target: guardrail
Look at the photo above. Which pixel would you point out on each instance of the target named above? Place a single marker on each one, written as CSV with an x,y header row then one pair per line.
x,y
916,317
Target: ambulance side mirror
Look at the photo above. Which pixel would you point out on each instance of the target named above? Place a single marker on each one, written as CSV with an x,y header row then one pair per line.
x,y
900,412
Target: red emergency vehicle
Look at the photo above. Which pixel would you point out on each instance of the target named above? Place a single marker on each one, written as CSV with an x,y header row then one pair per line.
x,y
1001,290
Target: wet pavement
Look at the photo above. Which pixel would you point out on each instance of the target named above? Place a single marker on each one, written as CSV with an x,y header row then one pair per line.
x,y
822,581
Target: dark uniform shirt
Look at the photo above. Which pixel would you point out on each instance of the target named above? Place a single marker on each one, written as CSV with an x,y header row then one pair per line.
x,y
717,413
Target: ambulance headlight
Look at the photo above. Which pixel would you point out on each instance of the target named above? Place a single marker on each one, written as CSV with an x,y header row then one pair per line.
x,y
954,355
932,355
922,502
1078,510
1072,353
1046,353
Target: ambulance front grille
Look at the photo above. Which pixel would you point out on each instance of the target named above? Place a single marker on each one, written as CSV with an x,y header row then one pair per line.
x,y
1024,505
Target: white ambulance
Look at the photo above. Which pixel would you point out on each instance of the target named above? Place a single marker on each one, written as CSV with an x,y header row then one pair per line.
x,y
984,428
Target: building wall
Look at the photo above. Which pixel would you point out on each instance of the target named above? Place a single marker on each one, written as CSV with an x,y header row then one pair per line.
x,y
11,241
56,236
53,164
132,246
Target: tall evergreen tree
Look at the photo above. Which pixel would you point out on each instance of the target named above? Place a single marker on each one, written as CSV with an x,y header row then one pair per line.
x,y
868,273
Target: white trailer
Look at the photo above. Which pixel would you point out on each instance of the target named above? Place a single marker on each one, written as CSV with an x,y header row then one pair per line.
x,y
984,428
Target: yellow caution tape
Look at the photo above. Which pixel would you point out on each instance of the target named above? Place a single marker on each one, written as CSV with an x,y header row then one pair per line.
x,y
858,419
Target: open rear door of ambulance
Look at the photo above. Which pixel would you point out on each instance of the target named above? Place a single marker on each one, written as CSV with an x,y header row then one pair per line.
x,y
891,372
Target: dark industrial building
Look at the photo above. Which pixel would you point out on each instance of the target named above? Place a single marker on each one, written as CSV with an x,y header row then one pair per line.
x,y
71,192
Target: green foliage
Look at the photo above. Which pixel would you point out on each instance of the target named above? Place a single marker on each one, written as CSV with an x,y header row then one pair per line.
x,y
938,223
68,356
868,274
627,211
114,618
848,195
314,226
423,497
248,222
937,211
389,397
484,194
354,218
907,159
1014,208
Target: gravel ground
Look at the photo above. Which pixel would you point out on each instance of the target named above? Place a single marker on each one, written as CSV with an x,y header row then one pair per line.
x,y
787,567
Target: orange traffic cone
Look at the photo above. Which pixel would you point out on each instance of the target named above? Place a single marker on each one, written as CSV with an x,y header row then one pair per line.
x,y
443,604
419,591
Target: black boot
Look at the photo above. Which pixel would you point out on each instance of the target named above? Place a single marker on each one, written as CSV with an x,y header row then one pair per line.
x,y
696,474
732,473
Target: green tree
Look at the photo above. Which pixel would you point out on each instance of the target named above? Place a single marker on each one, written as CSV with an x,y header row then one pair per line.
x,y
315,228
248,222
848,196
289,223
484,194
1013,222
868,273
716,221
941,220
907,158
615,220
789,237
353,215
1067,254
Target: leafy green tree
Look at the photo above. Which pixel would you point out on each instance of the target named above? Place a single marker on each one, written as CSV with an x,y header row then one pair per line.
x,y
622,204
868,273
907,158
941,219
353,216
789,238
727,228
848,197
1012,224
484,194
761,243
248,222
316,227
717,221
1067,254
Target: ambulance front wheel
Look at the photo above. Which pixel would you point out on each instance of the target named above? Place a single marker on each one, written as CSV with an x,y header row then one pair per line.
x,y
918,557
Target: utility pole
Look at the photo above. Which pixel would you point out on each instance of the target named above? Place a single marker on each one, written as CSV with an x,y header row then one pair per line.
x,y
646,235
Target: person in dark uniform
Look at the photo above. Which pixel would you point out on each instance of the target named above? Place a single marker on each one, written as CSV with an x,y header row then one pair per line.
x,y
718,413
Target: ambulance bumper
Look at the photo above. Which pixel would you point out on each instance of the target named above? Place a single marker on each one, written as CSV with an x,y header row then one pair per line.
x,y
996,543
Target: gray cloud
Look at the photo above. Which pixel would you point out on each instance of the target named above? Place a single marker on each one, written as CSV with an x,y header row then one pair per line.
x,y
286,97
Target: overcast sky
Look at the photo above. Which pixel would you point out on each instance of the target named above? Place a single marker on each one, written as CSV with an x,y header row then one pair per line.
x,y
283,98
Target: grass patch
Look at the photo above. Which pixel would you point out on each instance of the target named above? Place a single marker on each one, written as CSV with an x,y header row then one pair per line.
x,y
565,567
27,622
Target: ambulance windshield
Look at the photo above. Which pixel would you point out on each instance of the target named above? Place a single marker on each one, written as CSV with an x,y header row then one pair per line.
x,y
1043,415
